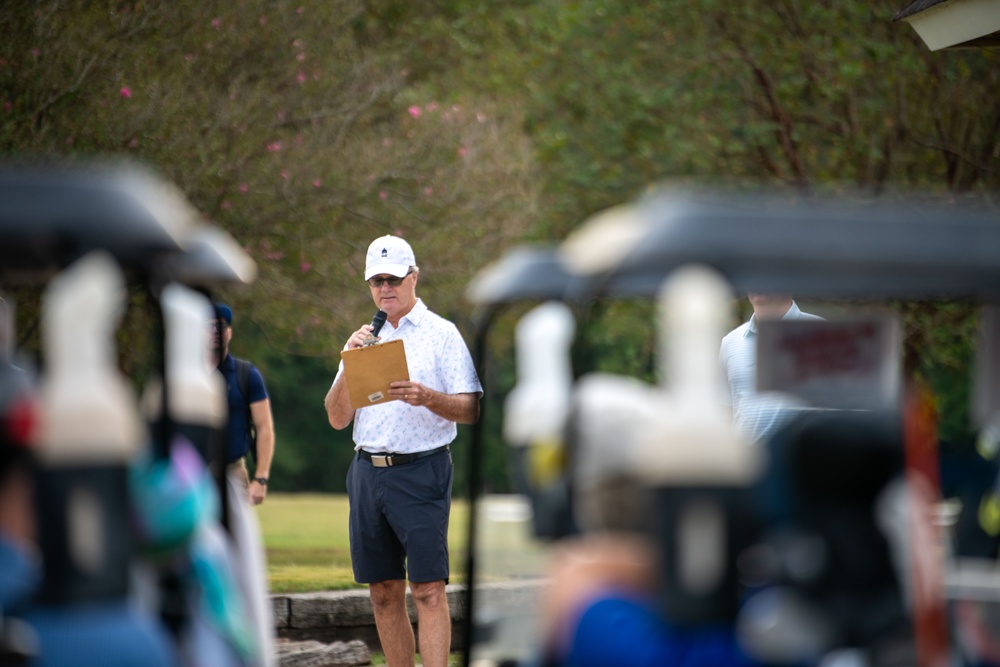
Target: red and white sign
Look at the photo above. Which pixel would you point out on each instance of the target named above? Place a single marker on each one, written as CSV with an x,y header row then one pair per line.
x,y
846,364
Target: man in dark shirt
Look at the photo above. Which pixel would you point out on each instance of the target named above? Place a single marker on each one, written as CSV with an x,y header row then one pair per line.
x,y
256,405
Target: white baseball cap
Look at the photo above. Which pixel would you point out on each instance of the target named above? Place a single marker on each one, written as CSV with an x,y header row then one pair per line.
x,y
389,254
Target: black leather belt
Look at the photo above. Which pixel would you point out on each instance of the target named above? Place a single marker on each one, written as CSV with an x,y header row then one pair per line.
x,y
390,460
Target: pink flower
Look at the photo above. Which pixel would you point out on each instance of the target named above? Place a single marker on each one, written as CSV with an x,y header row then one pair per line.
x,y
7,106
216,23
126,92
305,266
300,56
284,174
244,188
414,111
387,142
428,191
189,57
133,142
226,205
432,106
274,147
300,10
383,195
462,151
263,20
317,182
301,78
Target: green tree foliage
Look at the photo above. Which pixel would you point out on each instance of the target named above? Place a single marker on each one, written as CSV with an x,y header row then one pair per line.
x,y
301,139
284,129
786,92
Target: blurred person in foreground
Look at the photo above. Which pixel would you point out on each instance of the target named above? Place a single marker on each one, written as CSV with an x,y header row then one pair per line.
x,y
600,606
399,483
755,414
249,409
599,609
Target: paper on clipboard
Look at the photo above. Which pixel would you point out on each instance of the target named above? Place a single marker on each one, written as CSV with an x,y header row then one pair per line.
x,y
369,370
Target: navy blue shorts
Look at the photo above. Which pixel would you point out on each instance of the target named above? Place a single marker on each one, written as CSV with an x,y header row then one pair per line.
x,y
399,519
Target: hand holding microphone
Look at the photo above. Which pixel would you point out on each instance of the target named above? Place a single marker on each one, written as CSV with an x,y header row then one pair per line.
x,y
377,323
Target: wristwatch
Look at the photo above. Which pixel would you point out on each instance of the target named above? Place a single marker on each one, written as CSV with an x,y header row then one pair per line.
x,y
261,480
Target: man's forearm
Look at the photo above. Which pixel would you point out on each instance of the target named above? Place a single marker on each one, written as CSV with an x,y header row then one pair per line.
x,y
265,452
338,405
260,412
459,408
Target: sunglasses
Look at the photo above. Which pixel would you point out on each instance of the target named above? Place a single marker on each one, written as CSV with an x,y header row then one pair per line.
x,y
393,281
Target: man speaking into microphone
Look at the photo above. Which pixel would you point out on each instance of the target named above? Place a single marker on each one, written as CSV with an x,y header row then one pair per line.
x,y
399,483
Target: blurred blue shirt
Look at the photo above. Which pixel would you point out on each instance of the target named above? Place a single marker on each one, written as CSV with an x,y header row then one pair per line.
x,y
239,427
109,633
620,630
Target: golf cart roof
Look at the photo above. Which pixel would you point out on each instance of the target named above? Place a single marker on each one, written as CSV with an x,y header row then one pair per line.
x,y
211,256
818,246
525,272
52,216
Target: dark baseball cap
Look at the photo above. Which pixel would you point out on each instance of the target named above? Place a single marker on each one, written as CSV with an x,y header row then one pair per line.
x,y
225,312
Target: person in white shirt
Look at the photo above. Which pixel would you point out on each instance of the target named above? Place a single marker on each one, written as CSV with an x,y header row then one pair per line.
x,y
757,415
399,483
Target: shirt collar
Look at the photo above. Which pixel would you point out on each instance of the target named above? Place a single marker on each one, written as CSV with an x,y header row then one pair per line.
x,y
416,314
791,314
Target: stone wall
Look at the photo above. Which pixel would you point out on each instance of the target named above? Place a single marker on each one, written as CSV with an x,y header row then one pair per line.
x,y
343,616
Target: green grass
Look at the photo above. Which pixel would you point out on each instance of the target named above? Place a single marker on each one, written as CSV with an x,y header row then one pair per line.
x,y
305,536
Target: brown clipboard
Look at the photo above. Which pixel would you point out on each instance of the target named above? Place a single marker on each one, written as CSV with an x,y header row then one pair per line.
x,y
369,370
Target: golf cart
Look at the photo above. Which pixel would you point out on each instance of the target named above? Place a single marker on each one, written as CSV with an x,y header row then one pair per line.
x,y
838,519
81,240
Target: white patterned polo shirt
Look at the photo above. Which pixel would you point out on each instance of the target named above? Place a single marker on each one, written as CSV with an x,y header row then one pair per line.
x,y
436,357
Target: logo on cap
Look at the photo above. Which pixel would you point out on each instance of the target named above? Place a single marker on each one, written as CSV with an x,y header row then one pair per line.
x,y
385,252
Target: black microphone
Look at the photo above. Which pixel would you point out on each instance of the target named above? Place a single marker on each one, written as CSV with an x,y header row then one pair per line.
x,y
378,322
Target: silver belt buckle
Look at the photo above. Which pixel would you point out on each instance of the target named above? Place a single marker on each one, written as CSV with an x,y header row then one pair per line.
x,y
381,460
